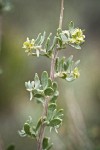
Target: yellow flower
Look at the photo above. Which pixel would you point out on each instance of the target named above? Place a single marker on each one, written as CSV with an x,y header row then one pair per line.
x,y
77,37
76,73
29,44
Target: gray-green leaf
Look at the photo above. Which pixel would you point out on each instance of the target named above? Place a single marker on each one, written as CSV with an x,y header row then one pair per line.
x,y
38,95
44,79
45,143
27,129
55,122
55,86
49,91
52,107
38,124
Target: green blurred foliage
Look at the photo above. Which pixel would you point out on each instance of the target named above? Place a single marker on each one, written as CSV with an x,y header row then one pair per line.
x,y
27,19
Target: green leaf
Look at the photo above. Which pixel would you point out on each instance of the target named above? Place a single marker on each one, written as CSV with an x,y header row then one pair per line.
x,y
76,63
71,25
52,107
54,43
45,143
27,129
62,64
38,124
47,44
11,147
37,81
70,59
64,38
55,86
59,113
55,122
65,67
57,64
49,91
60,42
64,75
69,62
42,38
53,99
44,79
38,38
39,95
49,83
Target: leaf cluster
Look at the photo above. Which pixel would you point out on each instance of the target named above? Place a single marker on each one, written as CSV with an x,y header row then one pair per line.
x,y
73,37
44,45
42,88
67,68
29,129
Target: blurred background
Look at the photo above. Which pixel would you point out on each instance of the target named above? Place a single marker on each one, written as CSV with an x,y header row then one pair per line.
x,y
80,99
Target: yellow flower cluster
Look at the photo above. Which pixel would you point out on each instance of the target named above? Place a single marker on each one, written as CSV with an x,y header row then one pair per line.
x,y
29,44
77,37
76,73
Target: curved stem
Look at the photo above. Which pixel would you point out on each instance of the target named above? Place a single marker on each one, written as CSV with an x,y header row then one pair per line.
x,y
52,71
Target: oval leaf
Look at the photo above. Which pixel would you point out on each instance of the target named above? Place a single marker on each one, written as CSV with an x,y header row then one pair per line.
x,y
27,129
49,83
36,81
64,38
54,98
76,63
55,122
45,143
55,86
52,106
49,91
44,79
39,95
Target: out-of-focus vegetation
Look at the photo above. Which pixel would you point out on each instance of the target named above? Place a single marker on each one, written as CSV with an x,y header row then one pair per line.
x,y
80,99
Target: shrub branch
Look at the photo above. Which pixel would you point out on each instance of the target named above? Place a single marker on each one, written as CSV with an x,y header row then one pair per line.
x,y
54,56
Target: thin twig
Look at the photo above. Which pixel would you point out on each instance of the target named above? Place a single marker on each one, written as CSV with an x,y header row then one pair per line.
x,y
52,71
61,14
56,51
42,128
